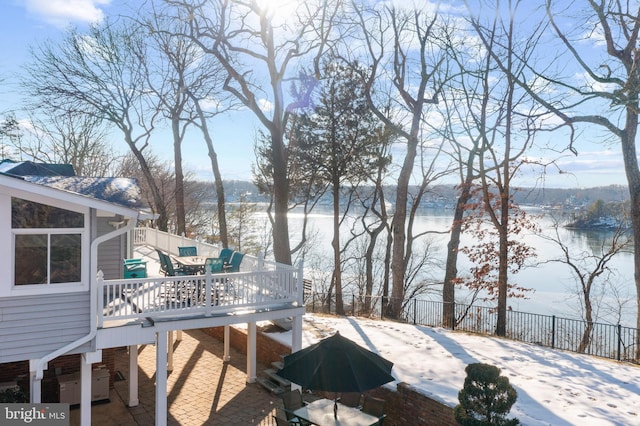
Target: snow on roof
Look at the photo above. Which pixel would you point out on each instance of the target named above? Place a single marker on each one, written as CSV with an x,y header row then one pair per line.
x,y
122,191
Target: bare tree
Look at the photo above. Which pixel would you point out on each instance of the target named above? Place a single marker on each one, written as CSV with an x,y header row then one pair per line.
x,y
413,71
243,38
375,205
507,124
589,269
98,74
11,135
164,181
79,140
183,81
460,107
611,85
203,123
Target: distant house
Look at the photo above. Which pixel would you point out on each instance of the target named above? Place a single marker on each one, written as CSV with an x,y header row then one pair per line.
x,y
65,240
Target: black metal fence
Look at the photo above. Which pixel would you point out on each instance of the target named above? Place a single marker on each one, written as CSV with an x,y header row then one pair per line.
x,y
612,341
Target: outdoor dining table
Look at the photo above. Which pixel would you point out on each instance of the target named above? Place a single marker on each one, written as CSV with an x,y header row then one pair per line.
x,y
191,263
321,412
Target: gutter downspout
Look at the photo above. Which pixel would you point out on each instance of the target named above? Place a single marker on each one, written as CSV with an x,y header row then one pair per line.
x,y
92,297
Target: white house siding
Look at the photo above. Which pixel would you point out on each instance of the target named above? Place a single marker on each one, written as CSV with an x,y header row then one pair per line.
x,y
33,326
111,252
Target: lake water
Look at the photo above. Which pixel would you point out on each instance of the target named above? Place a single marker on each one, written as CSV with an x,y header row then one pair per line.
x,y
554,287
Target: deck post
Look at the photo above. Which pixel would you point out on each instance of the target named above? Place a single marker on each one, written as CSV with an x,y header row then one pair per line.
x,y
85,392
35,385
133,376
161,378
87,361
227,344
251,352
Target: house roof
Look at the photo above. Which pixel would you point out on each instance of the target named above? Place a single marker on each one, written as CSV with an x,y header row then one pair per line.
x,y
24,168
119,191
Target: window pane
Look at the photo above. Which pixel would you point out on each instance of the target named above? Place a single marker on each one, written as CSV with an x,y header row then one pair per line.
x,y
31,259
29,214
65,258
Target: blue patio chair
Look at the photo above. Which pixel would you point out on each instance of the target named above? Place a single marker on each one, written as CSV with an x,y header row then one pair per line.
x,y
166,265
234,263
213,264
225,255
178,291
187,251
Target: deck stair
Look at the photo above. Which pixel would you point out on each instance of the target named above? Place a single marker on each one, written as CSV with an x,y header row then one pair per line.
x,y
272,382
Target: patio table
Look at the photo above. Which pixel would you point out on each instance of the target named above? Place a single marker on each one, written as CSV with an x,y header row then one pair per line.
x,y
321,413
191,263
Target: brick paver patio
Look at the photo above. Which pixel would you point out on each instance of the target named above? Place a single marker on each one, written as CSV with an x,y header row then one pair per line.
x,y
202,389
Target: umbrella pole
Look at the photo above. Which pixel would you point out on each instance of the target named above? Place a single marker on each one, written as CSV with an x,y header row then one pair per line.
x,y
335,406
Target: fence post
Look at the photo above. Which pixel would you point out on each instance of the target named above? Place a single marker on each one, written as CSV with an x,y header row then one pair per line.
x,y
553,332
382,308
453,315
619,340
415,311
353,305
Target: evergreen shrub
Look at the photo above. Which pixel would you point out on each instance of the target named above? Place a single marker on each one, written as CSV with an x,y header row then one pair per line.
x,y
486,397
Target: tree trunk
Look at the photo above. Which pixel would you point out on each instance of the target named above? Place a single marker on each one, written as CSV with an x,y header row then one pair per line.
x,y
335,243
628,141
217,177
400,220
451,264
588,316
181,227
163,220
281,246
501,325
369,262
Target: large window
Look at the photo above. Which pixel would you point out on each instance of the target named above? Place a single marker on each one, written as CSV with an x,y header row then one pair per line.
x,y
48,243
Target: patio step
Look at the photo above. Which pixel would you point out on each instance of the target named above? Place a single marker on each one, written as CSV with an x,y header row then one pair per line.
x,y
270,386
277,364
273,376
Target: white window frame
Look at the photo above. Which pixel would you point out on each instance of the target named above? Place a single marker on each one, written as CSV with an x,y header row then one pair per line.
x,y
53,288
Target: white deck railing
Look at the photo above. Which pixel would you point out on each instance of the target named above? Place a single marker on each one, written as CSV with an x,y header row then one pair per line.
x,y
259,284
211,294
169,243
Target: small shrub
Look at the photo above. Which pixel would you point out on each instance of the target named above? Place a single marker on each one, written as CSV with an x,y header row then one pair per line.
x,y
486,397
13,395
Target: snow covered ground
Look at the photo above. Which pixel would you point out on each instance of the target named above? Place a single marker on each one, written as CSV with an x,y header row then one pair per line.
x,y
554,387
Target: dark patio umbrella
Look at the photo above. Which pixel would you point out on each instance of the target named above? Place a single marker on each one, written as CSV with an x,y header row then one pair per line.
x,y
336,364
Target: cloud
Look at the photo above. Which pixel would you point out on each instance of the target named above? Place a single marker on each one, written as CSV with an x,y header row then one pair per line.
x,y
265,105
63,12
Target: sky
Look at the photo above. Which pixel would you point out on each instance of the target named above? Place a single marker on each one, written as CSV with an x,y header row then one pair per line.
x,y
24,23
555,388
